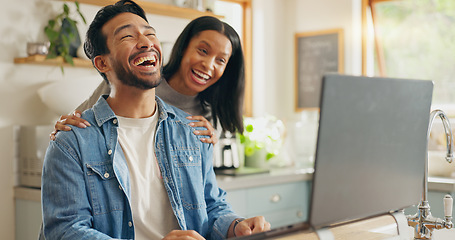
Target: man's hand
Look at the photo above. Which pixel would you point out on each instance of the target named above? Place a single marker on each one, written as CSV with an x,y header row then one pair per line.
x,y
181,234
249,226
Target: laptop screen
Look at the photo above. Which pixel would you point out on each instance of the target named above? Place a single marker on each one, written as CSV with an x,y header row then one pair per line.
x,y
371,147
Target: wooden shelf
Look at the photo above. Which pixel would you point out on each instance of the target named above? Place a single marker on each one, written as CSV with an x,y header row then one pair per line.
x,y
157,8
41,60
149,7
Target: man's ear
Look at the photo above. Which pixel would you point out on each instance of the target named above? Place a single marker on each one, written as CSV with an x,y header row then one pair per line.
x,y
102,64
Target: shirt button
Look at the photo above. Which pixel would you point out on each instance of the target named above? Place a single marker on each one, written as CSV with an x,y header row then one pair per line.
x,y
191,158
109,152
130,224
106,175
115,121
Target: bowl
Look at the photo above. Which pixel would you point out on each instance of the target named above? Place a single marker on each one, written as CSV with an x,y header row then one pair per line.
x,y
62,97
38,48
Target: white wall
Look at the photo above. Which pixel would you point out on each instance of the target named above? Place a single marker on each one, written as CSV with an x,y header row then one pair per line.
x,y
275,23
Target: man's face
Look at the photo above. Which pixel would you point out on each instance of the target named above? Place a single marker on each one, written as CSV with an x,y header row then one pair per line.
x,y
135,51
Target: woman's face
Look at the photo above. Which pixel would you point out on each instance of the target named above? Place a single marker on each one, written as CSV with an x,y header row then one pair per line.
x,y
203,63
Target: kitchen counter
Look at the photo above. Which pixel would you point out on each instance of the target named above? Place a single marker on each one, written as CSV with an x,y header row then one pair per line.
x,y
275,176
441,184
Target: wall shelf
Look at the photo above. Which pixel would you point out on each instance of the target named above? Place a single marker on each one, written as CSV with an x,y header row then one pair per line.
x,y
41,60
149,7
157,8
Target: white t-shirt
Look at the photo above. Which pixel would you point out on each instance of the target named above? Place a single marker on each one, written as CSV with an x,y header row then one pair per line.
x,y
152,213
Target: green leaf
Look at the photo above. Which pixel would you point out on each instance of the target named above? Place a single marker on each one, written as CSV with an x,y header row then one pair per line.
x,y
51,23
269,156
51,55
249,151
51,34
82,16
66,9
249,128
65,40
242,138
69,59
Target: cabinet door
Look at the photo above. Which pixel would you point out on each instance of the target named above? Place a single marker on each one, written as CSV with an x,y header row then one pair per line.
x,y
280,204
28,219
238,199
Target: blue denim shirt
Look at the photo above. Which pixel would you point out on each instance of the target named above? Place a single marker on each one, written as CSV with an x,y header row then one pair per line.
x,y
85,183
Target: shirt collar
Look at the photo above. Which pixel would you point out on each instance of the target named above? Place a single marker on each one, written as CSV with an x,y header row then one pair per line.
x,y
104,113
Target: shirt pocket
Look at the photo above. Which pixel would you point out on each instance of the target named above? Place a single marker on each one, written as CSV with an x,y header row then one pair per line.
x,y
105,192
188,164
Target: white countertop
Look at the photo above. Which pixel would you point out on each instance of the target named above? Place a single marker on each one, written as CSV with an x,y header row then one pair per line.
x,y
275,176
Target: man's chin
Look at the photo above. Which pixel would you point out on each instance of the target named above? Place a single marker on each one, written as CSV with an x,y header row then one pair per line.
x,y
148,84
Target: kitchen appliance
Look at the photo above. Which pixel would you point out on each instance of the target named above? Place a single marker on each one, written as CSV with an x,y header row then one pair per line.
x,y
31,145
226,152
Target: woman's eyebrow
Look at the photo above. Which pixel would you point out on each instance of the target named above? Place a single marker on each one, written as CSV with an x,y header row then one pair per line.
x,y
208,44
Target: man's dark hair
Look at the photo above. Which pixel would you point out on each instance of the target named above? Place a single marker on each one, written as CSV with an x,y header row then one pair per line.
x,y
225,97
95,42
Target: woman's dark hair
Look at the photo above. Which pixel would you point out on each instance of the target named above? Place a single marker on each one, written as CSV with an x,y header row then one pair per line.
x,y
95,41
225,97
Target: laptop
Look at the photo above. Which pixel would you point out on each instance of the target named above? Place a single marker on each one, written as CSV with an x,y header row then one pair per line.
x,y
371,148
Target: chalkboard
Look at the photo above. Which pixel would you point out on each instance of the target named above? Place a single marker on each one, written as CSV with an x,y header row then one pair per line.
x,y
316,53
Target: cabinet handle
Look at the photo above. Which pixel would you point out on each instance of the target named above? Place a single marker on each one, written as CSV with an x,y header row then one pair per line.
x,y
275,198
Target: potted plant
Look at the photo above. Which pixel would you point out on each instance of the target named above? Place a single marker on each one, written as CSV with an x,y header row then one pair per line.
x,y
262,140
63,35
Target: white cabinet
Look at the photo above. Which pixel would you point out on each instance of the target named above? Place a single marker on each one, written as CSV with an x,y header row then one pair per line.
x,y
28,213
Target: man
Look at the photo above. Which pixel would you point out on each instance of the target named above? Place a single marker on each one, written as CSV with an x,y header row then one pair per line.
x,y
138,172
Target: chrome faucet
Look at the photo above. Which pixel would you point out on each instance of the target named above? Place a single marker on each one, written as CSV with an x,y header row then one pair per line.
x,y
423,222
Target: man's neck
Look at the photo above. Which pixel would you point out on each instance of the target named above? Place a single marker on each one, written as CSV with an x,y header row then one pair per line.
x,y
132,102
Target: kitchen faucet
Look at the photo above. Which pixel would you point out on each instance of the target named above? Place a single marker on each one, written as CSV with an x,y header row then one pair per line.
x,y
423,222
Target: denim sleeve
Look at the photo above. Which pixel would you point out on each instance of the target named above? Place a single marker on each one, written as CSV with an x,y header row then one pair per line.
x,y
219,211
64,200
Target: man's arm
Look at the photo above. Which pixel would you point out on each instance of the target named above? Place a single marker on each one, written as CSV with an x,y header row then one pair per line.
x,y
65,204
220,212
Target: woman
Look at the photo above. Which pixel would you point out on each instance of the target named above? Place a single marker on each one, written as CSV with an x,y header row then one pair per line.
x,y
204,77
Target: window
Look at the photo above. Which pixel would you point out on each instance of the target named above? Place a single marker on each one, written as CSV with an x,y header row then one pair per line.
x,y
412,39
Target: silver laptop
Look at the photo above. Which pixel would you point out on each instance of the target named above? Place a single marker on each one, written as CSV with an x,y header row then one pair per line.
x,y
370,155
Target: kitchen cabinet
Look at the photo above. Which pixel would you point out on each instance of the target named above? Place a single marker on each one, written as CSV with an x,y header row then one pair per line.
x,y
28,213
280,204
281,196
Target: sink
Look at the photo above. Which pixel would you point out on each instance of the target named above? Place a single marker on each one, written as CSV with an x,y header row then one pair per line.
x,y
438,165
